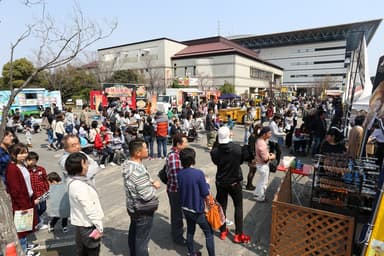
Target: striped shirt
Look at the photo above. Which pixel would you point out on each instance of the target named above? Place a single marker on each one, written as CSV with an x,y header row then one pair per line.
x,y
137,183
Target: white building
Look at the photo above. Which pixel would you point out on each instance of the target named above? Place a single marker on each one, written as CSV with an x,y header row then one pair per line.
x,y
204,63
316,57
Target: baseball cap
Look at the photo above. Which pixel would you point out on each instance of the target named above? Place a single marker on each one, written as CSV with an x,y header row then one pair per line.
x,y
224,135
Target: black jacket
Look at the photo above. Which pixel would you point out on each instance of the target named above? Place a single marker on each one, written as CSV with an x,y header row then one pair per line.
x,y
227,158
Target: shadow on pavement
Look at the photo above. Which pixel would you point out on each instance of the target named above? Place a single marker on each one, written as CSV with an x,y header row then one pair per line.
x,y
116,240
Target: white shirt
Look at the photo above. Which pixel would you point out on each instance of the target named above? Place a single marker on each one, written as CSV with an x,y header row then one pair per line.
x,y
27,178
85,205
378,134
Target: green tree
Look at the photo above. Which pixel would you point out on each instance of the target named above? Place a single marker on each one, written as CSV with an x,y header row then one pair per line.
x,y
125,76
227,88
21,69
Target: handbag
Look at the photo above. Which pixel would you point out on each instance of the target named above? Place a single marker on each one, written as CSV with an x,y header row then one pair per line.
x,y
215,215
45,123
141,206
163,174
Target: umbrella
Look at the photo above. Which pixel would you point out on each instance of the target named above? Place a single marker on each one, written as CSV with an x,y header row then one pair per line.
x,y
229,96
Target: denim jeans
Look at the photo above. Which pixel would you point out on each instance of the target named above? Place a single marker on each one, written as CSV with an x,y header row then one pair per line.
x,y
149,141
41,208
161,143
200,219
316,145
139,234
23,243
51,139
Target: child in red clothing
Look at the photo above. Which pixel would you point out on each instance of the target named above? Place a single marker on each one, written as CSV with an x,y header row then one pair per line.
x,y
40,185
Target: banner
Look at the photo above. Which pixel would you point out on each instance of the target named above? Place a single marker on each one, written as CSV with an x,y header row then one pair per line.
x,y
376,243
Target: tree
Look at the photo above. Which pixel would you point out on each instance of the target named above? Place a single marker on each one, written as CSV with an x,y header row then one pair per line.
x,y
22,69
58,46
155,74
227,88
125,76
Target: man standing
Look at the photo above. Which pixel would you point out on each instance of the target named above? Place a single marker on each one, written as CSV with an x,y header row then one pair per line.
x,y
210,129
262,158
72,145
84,115
227,157
247,125
319,129
138,187
161,133
179,142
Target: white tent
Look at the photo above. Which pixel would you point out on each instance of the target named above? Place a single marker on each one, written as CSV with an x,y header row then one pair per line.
x,y
362,102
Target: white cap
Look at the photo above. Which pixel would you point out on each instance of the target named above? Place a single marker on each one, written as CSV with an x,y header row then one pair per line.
x,y
224,135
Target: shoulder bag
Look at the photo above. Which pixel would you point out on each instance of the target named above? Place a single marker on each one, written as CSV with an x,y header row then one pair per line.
x,y
214,214
141,206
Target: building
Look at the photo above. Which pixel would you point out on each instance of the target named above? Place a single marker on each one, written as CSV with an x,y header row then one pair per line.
x,y
214,61
151,58
203,63
318,58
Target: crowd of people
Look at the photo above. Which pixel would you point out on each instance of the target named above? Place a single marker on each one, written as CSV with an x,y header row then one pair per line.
x,y
73,194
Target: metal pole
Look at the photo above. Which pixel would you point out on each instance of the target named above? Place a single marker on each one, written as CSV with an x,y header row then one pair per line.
x,y
353,86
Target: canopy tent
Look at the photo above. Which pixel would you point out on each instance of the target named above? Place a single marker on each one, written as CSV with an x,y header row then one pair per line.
x,y
229,96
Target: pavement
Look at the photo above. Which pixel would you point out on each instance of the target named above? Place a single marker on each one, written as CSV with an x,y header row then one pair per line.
x,y
109,183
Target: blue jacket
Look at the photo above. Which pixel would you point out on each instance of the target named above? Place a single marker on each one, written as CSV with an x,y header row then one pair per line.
x,y
193,189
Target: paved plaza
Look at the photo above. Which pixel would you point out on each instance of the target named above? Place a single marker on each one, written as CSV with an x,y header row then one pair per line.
x,y
109,183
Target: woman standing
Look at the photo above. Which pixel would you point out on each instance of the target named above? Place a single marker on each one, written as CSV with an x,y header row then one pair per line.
x,y
19,187
5,158
86,211
58,128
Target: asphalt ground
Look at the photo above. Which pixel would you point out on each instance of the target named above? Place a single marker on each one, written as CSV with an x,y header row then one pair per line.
x,y
109,183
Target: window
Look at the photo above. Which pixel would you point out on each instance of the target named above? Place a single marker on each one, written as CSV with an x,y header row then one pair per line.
x,y
260,74
30,96
329,61
194,70
174,71
330,48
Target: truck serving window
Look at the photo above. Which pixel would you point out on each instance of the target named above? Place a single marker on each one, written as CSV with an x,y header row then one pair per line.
x,y
30,96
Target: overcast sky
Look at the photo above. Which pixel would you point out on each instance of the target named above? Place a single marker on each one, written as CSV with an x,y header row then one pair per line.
x,y
184,20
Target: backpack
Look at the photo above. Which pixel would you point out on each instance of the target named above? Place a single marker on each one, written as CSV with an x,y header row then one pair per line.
x,y
246,153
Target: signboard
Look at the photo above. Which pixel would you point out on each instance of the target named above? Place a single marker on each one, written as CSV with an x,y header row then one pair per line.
x,y
141,97
118,90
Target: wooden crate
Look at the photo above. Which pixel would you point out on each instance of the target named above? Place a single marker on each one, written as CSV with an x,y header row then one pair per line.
x,y
298,230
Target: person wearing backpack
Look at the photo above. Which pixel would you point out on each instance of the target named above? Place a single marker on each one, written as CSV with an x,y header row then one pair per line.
x,y
251,153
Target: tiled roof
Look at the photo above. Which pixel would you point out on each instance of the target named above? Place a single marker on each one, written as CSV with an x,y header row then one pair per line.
x,y
216,46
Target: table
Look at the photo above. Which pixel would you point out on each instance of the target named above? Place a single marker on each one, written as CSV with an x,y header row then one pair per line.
x,y
297,176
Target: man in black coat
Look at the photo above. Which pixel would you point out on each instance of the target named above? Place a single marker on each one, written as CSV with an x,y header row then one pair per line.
x,y
226,155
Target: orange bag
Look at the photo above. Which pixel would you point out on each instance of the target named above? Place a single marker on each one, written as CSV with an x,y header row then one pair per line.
x,y
214,214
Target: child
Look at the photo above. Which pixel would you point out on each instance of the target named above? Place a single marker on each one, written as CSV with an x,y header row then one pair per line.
x,y
28,129
58,202
230,122
40,185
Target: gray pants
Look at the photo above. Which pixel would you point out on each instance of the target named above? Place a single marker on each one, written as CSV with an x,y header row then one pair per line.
x,y
211,137
176,215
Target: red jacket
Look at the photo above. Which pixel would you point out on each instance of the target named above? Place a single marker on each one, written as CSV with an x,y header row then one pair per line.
x,y
18,192
39,180
98,144
162,129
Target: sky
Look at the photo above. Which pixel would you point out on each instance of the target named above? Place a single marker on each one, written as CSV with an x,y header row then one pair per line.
x,y
186,20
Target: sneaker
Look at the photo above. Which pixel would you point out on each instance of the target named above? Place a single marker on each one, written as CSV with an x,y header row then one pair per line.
x,y
65,229
241,238
195,254
32,253
228,222
260,200
223,234
250,187
43,226
102,166
51,229
32,246
112,163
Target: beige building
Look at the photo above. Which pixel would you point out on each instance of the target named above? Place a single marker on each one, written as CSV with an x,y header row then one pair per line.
x,y
203,63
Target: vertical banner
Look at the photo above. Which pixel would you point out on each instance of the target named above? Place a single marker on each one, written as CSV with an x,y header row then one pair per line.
x,y
376,243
